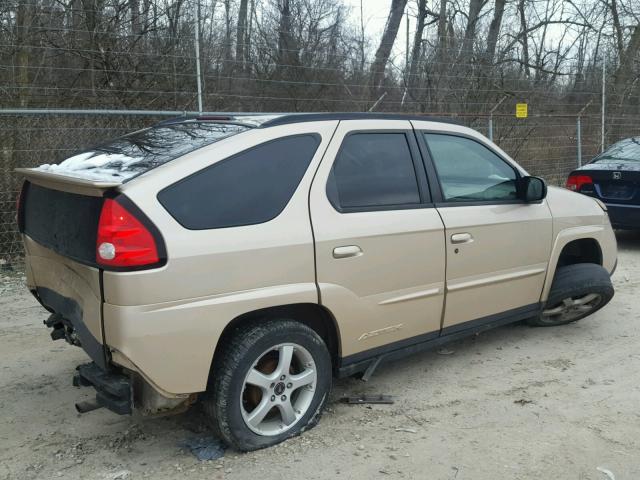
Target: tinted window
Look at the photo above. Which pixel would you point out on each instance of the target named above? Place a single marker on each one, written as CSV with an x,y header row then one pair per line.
x,y
251,187
469,171
133,154
373,170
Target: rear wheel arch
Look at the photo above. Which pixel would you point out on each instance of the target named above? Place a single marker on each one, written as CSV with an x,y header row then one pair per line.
x,y
315,316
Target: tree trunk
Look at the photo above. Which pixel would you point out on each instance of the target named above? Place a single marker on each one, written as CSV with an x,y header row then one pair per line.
x,y
524,41
442,32
228,47
618,29
386,44
624,73
134,7
241,36
287,56
24,19
249,37
470,32
417,42
494,32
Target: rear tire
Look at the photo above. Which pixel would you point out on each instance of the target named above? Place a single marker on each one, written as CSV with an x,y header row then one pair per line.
x,y
577,291
269,383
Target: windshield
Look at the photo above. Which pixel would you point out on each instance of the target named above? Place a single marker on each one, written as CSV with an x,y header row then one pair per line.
x,y
628,149
133,154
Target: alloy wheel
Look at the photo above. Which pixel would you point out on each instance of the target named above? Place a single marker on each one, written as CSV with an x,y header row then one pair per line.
x,y
278,389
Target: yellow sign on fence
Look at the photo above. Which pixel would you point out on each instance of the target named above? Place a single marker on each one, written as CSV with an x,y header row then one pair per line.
x,y
521,110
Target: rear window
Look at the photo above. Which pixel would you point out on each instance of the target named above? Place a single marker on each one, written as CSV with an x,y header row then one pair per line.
x,y
133,154
628,149
248,188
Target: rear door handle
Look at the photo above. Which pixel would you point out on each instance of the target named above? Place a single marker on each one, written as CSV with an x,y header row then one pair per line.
x,y
347,251
461,238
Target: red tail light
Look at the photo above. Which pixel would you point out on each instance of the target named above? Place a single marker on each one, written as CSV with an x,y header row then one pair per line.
x,y
575,182
123,240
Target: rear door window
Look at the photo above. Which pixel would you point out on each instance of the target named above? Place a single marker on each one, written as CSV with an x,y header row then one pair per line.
x,y
373,171
250,187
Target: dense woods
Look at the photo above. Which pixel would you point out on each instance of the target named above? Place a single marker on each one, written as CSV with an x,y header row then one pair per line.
x,y
315,55
466,58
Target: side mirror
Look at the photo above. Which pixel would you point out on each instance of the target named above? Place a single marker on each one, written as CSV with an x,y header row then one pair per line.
x,y
533,189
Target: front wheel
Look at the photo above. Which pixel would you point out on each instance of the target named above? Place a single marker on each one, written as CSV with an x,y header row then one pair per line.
x,y
270,383
577,291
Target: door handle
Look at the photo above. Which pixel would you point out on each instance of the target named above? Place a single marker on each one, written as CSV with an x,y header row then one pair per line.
x,y
461,238
347,251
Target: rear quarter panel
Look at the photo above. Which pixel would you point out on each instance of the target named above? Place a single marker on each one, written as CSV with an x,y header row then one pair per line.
x,y
167,321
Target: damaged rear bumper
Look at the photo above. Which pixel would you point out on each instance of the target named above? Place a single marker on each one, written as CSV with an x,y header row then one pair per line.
x,y
114,391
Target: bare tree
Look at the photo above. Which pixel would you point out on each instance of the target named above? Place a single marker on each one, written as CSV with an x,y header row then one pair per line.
x,y
386,43
494,31
241,34
473,16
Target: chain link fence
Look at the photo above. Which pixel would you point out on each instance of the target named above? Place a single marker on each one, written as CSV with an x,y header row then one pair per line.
x,y
545,144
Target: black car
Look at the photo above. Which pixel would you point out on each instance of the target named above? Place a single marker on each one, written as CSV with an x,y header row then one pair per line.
x,y
614,178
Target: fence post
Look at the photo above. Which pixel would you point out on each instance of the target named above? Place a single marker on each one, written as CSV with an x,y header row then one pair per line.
x,y
604,100
579,138
579,131
197,48
491,116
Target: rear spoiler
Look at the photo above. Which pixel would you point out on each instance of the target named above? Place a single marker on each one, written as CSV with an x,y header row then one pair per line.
x,y
67,183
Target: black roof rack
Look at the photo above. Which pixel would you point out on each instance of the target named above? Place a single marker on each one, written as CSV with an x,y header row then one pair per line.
x,y
289,118
286,119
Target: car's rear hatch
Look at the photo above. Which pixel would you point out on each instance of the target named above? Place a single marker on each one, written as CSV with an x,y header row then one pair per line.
x,y
58,219
62,220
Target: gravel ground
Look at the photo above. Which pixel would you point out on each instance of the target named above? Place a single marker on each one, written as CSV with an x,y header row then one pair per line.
x,y
516,403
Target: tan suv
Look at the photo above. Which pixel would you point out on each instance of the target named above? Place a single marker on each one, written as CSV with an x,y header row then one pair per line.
x,y
248,259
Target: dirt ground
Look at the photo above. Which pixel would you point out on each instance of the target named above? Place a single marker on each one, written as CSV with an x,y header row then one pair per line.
x,y
513,403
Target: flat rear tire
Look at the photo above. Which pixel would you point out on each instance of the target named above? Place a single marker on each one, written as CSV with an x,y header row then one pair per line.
x,y
269,383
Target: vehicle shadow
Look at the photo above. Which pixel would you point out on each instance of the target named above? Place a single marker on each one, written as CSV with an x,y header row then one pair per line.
x,y
628,239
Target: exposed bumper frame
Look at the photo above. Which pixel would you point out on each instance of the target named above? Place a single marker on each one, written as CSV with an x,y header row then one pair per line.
x,y
113,390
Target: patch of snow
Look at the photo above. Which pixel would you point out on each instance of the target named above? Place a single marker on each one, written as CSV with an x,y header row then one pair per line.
x,y
94,165
256,120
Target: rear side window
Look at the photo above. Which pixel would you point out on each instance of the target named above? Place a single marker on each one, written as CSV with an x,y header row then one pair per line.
x,y
373,170
468,171
250,187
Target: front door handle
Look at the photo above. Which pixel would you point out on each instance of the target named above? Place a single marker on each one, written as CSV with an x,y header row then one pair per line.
x,y
461,238
347,251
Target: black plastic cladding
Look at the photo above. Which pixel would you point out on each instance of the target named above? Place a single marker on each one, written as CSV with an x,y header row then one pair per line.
x,y
314,117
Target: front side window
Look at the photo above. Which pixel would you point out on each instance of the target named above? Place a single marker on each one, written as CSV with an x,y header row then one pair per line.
x,y
373,170
469,172
248,188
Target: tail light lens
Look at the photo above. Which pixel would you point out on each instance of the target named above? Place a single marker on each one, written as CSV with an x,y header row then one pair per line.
x,y
123,240
575,182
